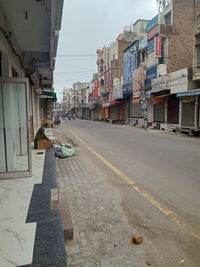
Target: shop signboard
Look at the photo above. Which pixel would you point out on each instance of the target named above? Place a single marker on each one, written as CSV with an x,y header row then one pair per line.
x,y
151,73
136,100
157,46
106,104
153,22
158,100
187,99
178,81
137,94
143,42
159,84
188,93
33,59
150,46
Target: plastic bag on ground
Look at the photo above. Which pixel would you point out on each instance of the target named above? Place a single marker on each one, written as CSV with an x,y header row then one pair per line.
x,y
67,152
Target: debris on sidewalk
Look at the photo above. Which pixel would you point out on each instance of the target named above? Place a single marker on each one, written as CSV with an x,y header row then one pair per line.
x,y
181,261
63,150
137,239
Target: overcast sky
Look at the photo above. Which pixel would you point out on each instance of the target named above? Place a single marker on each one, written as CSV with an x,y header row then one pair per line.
x,y
88,25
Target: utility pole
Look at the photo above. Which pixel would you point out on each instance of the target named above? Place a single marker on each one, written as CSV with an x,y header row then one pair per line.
x,y
135,53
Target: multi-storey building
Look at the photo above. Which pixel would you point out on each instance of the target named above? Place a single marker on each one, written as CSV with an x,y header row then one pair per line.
x,y
132,61
110,72
170,59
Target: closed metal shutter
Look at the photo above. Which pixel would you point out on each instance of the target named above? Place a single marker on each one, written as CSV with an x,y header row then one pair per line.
x,y
188,114
135,110
159,112
173,110
114,112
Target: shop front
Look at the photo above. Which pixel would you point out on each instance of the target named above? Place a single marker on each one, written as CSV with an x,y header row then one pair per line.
x,y
159,109
136,108
172,109
189,109
14,128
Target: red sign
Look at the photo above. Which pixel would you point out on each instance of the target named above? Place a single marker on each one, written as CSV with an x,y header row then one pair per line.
x,y
96,87
157,46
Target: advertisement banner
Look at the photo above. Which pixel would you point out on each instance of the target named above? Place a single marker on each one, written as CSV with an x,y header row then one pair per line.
x,y
150,46
157,46
143,42
153,22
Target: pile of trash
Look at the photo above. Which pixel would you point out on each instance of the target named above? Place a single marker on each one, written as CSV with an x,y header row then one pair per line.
x,y
63,150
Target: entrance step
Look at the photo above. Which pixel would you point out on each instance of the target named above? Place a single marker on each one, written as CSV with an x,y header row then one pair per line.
x,y
62,205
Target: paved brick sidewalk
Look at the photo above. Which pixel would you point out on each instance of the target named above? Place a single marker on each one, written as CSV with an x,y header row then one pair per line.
x,y
102,236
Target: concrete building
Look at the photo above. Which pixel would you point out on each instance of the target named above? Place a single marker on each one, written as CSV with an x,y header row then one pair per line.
x,y
169,63
28,42
110,72
28,49
132,62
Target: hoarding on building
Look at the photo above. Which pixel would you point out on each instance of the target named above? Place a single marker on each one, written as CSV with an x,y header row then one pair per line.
x,y
150,46
175,82
178,81
159,84
137,94
143,42
152,23
151,73
188,93
130,64
96,87
157,46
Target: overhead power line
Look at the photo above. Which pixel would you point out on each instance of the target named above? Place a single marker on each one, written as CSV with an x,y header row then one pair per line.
x,y
61,73
59,82
77,55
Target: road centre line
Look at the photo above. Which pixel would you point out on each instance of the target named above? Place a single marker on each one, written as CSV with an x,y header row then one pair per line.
x,y
171,214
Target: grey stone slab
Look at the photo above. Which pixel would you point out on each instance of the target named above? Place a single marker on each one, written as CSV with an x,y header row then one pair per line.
x,y
49,250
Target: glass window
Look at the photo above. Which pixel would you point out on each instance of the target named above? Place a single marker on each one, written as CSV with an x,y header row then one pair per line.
x,y
198,54
14,139
168,19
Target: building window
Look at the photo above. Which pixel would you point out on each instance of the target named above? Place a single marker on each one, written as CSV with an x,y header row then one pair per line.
x,y
168,19
164,51
14,73
14,137
198,54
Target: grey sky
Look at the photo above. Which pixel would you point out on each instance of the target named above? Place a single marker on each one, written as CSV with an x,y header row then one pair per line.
x,y
88,25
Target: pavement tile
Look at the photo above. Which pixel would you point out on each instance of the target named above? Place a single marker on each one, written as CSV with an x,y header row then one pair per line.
x,y
102,234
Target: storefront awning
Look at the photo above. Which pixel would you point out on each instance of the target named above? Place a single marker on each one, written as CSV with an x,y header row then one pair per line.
x,y
136,100
48,94
188,93
158,100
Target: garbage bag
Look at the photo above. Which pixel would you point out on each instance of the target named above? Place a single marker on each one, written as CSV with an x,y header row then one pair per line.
x,y
68,152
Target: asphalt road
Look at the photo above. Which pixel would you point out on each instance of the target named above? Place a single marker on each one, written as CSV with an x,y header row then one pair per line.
x,y
167,166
